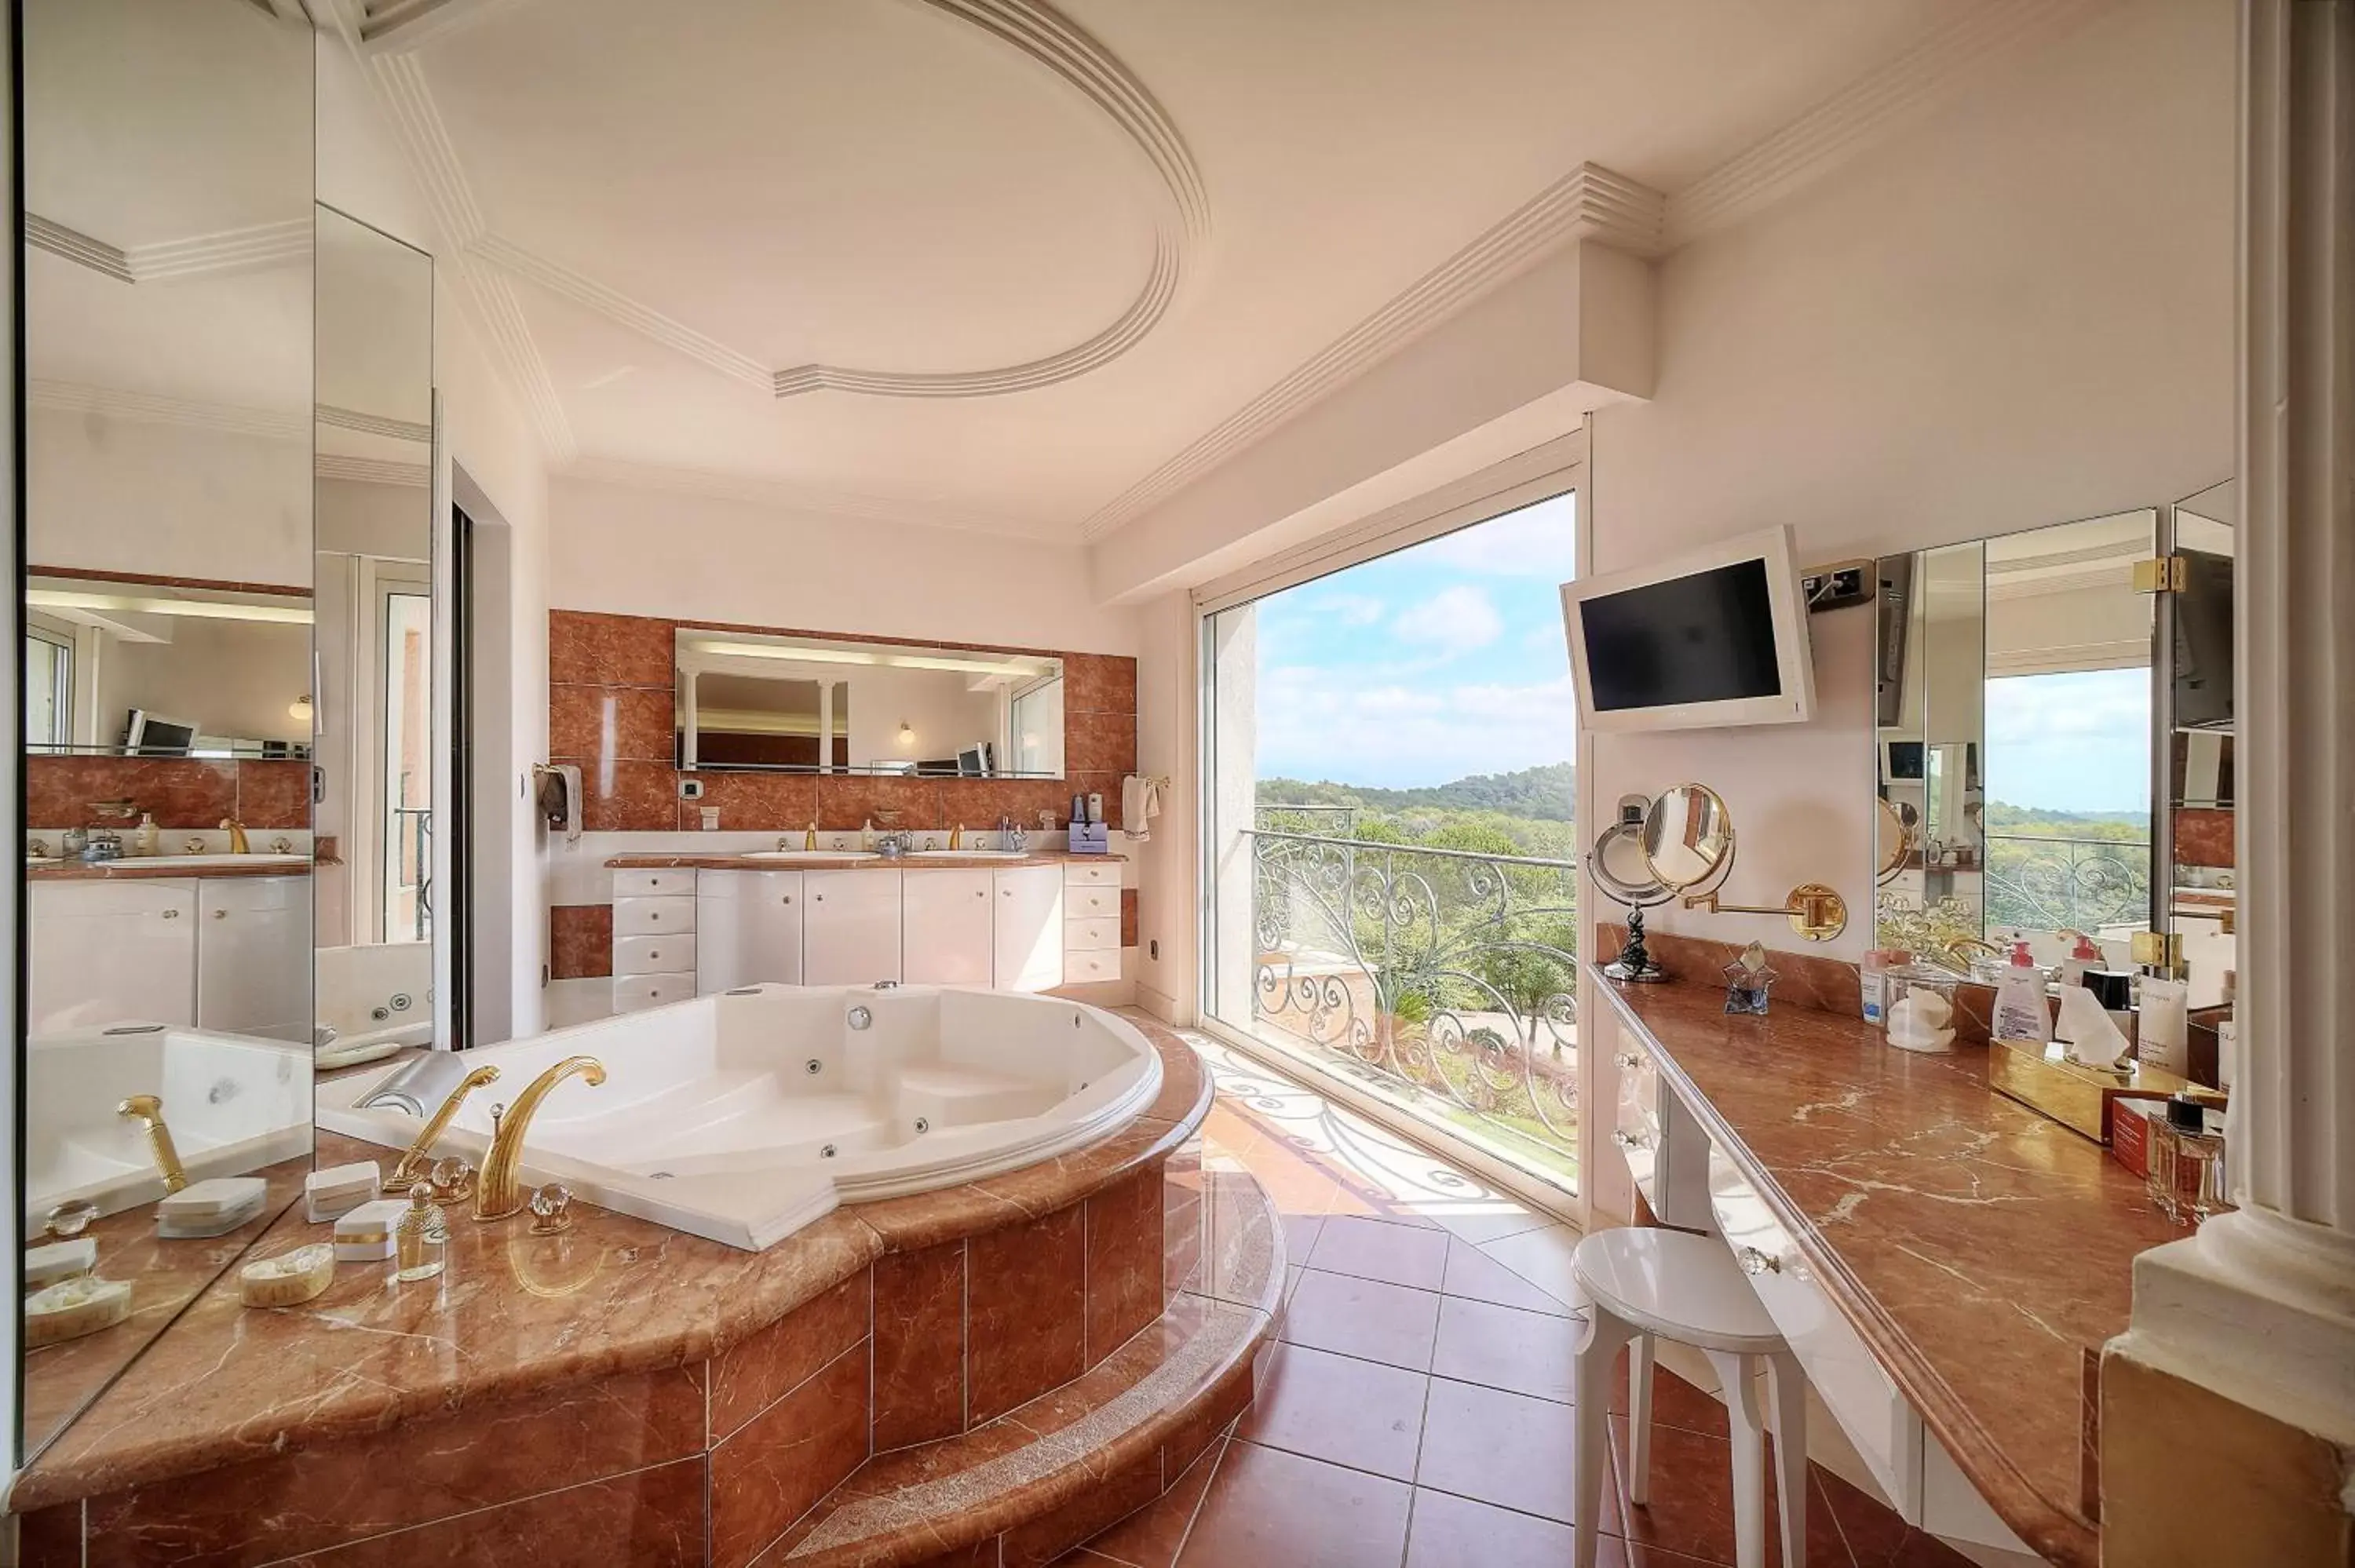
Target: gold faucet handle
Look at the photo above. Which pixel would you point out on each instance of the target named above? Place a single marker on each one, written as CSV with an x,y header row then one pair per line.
x,y
148,1110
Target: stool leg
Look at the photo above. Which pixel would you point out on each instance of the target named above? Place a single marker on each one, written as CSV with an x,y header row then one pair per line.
x,y
1639,1420
1791,1454
1598,1349
1739,1374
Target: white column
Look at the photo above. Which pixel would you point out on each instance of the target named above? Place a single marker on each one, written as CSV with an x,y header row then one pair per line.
x,y
2260,1304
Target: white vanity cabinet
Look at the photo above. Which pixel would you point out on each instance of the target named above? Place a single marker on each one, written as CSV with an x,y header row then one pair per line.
x,y
1091,921
851,926
748,930
112,952
654,937
253,952
1028,930
946,926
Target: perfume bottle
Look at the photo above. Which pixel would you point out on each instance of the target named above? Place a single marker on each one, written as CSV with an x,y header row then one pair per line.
x,y
421,1242
2187,1161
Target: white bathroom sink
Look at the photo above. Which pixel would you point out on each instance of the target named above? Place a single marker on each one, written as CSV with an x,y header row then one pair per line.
x,y
813,854
968,854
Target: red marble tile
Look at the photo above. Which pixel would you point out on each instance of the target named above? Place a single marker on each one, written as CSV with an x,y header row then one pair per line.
x,y
650,1518
1226,1404
980,1554
1128,917
979,803
627,797
1376,1249
1024,1301
632,722
1364,1318
273,795
1450,1531
1150,1537
50,1537
1125,1239
1104,743
1508,1449
1267,1509
588,648
782,803
1181,1220
1107,1502
1805,980
776,1466
1096,781
1099,683
1474,1275
181,791
2203,836
1341,1410
264,1510
1503,1347
920,1345
580,940
750,1377
1690,1505
849,800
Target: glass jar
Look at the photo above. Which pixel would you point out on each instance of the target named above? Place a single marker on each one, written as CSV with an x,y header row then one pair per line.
x,y
1918,1008
2187,1161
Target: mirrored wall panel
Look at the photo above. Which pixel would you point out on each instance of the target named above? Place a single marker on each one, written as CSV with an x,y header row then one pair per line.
x,y
2202,901
168,610
817,705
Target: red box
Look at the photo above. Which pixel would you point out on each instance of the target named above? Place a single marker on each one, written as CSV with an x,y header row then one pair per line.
x,y
2130,1133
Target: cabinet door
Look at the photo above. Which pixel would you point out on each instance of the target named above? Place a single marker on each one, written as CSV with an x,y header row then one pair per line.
x,y
1030,927
748,929
112,952
851,926
945,926
253,956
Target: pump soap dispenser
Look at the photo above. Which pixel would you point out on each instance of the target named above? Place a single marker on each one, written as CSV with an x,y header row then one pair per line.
x,y
2019,1010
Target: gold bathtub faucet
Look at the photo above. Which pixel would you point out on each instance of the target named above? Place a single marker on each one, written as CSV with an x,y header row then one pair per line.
x,y
418,1158
147,1108
498,1192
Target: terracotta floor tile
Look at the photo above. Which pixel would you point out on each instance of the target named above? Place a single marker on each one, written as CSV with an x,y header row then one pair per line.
x,y
1268,1509
1150,1537
1492,1220
1473,1273
1365,1317
1340,1409
1692,1505
1449,1531
1874,1532
1542,1257
1676,1403
1922,1551
1300,1233
1379,1249
1509,1449
1503,1347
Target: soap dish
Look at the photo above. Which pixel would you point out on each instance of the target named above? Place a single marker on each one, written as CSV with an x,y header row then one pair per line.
x,y
365,1236
210,1208
45,1265
289,1279
332,1193
73,1307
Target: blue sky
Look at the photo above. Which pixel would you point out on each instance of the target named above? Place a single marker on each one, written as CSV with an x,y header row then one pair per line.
x,y
2073,742
1441,661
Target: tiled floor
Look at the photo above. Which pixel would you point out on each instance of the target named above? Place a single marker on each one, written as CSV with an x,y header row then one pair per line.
x,y
1416,1413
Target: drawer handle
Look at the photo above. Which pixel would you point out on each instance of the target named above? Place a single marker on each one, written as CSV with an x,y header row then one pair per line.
x,y
652,955
654,917
789,898
1754,1260
220,914
170,914
1626,1140
1628,1061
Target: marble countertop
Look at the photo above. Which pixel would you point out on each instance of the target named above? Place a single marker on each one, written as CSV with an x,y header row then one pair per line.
x,y
133,868
1979,1249
918,860
516,1314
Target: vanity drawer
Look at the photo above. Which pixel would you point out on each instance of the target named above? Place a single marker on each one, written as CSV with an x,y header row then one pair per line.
x,y
661,883
635,993
1081,873
670,954
1091,901
1103,964
1091,933
652,916
1886,1429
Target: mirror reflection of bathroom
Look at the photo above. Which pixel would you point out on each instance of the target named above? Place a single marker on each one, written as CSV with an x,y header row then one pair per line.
x,y
2014,745
2200,836
169,615
375,703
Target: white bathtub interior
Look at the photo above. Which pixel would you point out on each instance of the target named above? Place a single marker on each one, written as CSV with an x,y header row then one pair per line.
x,y
372,998
744,1116
234,1103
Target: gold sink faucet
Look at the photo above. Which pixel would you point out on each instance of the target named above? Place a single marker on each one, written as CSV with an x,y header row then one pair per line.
x,y
147,1108
418,1158
956,836
236,832
498,1192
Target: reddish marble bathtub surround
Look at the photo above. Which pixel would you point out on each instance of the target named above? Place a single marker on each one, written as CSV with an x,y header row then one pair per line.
x,y
775,1467
1182,1220
1125,1245
579,941
1805,980
1978,1248
1026,1303
754,1374
920,1345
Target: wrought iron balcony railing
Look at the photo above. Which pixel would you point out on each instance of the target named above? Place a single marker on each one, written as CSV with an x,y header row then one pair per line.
x,y
2066,885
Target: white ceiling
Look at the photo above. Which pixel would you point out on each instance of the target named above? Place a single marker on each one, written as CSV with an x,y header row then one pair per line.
x,y
893,211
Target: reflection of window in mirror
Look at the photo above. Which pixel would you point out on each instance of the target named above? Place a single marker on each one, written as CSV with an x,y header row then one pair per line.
x,y
48,691
408,756
1037,726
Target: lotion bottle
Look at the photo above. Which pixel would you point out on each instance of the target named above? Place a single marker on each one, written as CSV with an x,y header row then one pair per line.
x,y
2021,1012
148,835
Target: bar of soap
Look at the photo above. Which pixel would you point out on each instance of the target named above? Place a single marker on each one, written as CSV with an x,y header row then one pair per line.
x,y
210,1208
289,1279
332,1193
73,1307
45,1265
365,1236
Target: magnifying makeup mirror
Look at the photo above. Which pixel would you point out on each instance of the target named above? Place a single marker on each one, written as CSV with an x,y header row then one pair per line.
x,y
1899,831
1689,844
1623,875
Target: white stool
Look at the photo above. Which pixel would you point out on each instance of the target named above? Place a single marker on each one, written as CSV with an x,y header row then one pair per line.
x,y
1642,1283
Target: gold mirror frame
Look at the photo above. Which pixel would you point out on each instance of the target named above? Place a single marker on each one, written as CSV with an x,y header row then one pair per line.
x,y
1897,835
1692,819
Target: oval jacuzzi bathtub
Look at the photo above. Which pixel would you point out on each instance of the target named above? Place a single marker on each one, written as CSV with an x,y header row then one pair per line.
x,y
745,1116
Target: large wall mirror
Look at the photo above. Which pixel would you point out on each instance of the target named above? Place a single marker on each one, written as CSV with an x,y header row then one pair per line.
x,y
756,700
168,610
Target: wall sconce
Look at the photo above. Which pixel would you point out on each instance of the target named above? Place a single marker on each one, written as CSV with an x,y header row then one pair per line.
x,y
301,709
907,736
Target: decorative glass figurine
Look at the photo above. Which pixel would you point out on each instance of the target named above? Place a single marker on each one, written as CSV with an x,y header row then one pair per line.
x,y
1747,980
421,1240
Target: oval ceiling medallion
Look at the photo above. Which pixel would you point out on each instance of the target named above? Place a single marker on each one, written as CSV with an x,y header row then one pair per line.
x,y
1180,226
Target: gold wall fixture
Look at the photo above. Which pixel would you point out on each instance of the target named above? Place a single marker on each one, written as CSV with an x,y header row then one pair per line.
x,y
1689,844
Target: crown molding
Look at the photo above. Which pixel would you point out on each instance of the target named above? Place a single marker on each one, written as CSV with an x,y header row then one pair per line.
x,y
155,408
808,501
372,424
1589,203
372,470
252,249
618,307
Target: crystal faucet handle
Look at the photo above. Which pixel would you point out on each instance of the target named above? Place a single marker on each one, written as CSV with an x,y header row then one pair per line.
x,y
551,1209
70,1219
1754,1260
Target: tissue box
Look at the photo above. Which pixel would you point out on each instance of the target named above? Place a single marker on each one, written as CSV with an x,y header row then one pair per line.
x,y
2079,1098
1091,838
2130,1136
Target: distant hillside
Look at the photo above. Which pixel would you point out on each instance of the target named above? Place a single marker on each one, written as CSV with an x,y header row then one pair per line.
x,y
1541,794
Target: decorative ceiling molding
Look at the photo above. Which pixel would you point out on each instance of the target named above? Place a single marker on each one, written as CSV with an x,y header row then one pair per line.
x,y
616,306
1925,77
252,250
371,471
155,408
407,23
1590,203
783,495
373,424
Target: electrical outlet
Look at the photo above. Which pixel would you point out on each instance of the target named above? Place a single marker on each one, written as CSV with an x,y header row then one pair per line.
x,y
1838,585
690,788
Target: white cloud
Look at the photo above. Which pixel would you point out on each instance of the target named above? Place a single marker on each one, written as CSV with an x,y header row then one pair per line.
x,y
1363,727
1353,608
1537,541
1459,618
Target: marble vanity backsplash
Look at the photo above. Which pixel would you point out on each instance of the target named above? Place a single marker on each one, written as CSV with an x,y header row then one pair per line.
x,y
181,792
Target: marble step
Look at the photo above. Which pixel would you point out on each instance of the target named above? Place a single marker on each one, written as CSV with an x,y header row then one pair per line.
x,y
1027,1486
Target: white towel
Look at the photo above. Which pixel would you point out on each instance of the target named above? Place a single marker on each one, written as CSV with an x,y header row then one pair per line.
x,y
1140,803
